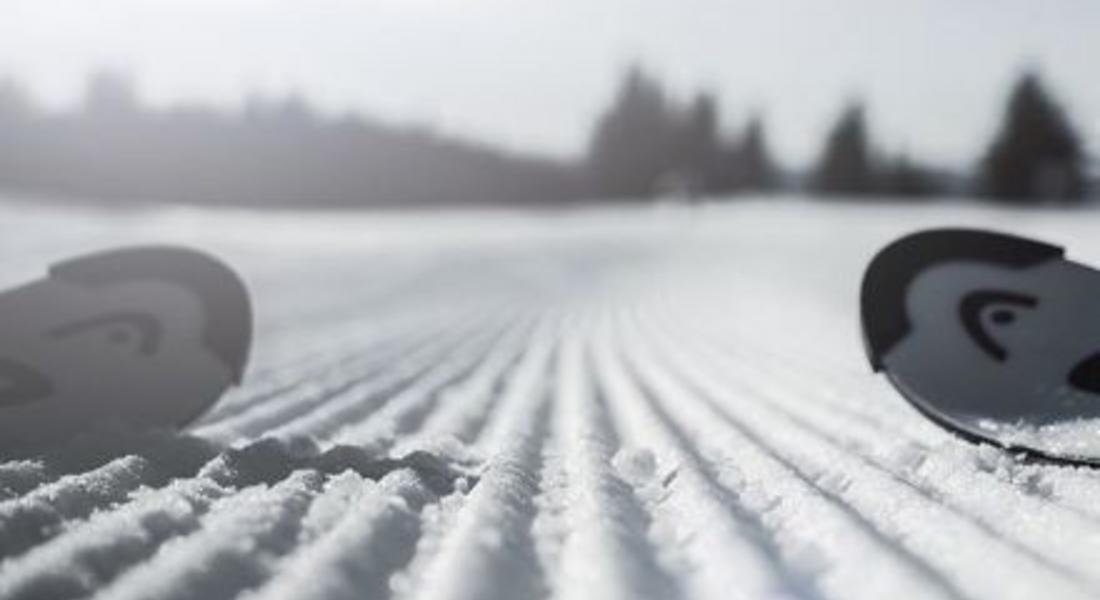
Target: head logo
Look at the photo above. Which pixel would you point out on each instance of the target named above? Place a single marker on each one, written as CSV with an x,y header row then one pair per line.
x,y
987,334
145,336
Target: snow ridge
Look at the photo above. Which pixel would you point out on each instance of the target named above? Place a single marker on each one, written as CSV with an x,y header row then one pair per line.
x,y
611,404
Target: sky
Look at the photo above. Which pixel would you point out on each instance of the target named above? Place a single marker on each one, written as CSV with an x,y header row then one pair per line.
x,y
533,75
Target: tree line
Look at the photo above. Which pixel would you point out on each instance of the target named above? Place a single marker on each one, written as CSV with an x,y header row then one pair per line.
x,y
645,142
276,153
270,153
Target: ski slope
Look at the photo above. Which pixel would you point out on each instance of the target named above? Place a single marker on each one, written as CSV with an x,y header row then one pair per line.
x,y
666,402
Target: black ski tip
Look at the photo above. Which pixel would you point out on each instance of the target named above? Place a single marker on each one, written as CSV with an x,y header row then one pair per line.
x,y
222,292
886,281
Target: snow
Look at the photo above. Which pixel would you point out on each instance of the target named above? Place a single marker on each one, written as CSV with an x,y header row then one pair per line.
x,y
636,466
611,403
1076,438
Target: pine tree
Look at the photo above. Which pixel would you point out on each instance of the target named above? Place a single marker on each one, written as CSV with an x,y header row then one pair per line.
x,y
695,155
1036,154
759,172
630,147
901,176
846,164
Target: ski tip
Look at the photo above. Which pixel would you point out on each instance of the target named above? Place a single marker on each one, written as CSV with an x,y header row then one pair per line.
x,y
886,280
222,292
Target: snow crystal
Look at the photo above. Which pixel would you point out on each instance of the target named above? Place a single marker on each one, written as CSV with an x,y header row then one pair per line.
x,y
637,466
1077,439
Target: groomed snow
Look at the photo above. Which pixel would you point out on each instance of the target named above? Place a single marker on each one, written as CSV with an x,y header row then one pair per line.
x,y
666,402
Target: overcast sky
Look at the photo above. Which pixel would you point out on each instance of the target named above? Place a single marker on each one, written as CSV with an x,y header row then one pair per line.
x,y
533,75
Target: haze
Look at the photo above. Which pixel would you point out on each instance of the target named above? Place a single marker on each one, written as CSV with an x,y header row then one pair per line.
x,y
532,76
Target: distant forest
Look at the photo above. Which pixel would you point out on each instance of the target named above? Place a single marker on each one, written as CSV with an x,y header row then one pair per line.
x,y
645,144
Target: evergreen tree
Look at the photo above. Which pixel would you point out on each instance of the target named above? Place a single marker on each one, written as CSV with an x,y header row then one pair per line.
x,y
695,156
1036,154
846,164
630,147
904,177
759,172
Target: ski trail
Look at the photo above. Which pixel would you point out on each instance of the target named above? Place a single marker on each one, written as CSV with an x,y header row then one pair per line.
x,y
41,514
293,373
700,519
349,420
1071,490
404,413
232,550
523,381
90,554
461,415
811,524
606,552
871,491
487,551
356,557
621,403
282,412
94,552
1070,540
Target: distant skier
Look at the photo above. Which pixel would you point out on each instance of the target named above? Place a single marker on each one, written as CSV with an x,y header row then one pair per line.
x,y
994,336
147,337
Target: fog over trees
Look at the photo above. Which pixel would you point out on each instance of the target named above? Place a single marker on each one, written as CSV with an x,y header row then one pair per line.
x,y
271,153
646,143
